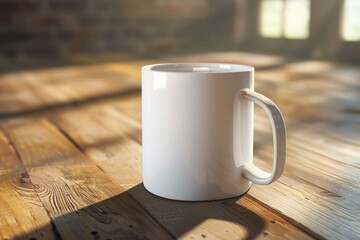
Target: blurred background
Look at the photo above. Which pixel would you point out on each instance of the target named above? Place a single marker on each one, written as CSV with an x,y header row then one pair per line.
x,y
43,32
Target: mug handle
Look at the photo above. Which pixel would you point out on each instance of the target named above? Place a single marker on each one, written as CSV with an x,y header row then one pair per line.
x,y
252,172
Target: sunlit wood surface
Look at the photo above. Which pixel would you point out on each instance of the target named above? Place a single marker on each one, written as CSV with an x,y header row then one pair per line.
x,y
70,156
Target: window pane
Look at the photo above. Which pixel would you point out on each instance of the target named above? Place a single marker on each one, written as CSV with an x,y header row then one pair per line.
x,y
271,18
297,16
351,20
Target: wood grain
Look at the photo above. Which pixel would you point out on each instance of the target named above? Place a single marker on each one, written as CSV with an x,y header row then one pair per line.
x,y
80,198
311,189
110,138
316,186
22,214
320,187
318,192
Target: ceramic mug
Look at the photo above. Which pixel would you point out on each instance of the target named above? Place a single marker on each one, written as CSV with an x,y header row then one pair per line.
x,y
198,131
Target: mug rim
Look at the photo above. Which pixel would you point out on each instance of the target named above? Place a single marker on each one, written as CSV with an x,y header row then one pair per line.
x,y
198,68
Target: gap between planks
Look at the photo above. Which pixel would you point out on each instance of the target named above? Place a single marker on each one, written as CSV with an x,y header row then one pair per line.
x,y
300,215
23,216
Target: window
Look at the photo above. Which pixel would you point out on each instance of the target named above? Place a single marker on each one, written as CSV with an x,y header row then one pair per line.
x,y
271,18
351,21
285,18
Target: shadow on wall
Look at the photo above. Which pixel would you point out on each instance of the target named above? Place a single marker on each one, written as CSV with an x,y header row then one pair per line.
x,y
119,217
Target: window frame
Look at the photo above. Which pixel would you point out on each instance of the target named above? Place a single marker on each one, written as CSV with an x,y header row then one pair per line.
x,y
283,21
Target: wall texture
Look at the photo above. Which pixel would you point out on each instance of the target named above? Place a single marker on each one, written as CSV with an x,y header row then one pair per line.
x,y
32,30
42,31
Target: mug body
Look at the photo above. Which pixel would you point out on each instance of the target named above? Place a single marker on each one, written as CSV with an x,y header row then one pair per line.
x,y
188,129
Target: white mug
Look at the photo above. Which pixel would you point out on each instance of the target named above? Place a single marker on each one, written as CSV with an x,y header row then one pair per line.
x,y
198,131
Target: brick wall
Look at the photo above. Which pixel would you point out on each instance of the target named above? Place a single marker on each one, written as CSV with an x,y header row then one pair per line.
x,y
32,30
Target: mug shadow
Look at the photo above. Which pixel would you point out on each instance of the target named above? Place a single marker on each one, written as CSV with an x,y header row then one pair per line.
x,y
122,217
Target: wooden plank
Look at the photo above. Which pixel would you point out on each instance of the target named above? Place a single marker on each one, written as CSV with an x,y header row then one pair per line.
x,y
320,191
28,135
253,59
22,215
321,183
16,101
80,198
129,105
107,141
333,72
111,141
33,90
75,89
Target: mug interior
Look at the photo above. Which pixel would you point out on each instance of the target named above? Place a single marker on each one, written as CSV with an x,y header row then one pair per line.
x,y
198,67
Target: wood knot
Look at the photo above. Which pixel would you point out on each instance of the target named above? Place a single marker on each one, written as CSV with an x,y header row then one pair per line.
x,y
24,177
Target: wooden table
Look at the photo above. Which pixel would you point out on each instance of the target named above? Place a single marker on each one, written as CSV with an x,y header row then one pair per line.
x,y
70,157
